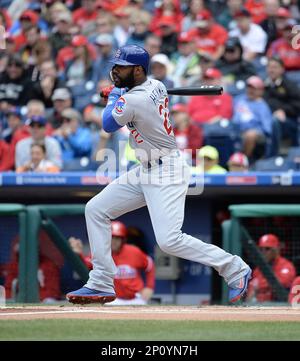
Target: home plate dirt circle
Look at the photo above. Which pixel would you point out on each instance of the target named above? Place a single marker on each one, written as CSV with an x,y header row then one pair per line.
x,y
207,313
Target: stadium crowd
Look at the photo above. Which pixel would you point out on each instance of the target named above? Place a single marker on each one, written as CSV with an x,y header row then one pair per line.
x,y
54,62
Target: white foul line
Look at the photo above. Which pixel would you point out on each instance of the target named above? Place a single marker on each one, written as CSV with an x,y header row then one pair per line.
x,y
261,312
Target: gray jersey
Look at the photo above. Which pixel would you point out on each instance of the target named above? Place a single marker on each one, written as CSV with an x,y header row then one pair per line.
x,y
144,109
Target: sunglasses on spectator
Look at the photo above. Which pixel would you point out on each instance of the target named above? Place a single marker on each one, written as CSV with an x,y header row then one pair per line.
x,y
16,65
230,50
267,249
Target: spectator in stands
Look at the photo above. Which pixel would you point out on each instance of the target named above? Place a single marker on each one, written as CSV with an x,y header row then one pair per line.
x,y
259,289
252,37
6,160
80,68
206,62
61,36
226,17
283,97
44,88
189,21
152,44
38,135
35,108
32,36
15,87
41,52
294,295
61,99
208,109
269,24
123,28
67,54
10,47
210,37
168,34
210,157
160,68
14,132
53,10
14,122
238,162
188,135
102,66
283,48
86,14
140,28
256,10
38,162
26,20
282,16
75,141
253,117
234,68
167,11
186,62
104,24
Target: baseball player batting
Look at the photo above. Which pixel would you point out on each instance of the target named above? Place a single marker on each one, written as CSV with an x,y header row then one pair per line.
x,y
160,182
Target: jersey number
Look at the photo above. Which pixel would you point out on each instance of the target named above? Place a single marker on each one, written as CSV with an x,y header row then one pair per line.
x,y
164,113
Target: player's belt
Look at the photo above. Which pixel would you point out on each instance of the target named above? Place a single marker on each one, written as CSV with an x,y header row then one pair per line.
x,y
160,160
152,163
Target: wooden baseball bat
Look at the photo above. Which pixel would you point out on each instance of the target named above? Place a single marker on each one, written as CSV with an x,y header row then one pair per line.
x,y
199,90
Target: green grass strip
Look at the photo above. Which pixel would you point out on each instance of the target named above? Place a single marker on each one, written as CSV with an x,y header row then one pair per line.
x,y
147,330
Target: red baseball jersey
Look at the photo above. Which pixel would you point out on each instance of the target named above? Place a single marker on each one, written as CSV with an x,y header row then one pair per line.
x,y
284,271
130,262
210,42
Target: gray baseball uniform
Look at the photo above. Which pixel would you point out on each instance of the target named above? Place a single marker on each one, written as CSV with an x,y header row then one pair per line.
x,y
161,184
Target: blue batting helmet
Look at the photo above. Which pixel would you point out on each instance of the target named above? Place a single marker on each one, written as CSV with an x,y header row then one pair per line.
x,y
132,55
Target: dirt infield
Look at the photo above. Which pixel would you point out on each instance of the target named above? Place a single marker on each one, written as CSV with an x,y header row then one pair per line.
x,y
207,313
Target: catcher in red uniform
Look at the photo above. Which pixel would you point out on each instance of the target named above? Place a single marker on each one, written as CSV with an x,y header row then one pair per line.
x,y
259,288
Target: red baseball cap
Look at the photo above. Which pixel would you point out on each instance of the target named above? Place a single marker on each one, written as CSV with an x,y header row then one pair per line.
x,y
212,73
269,241
204,15
202,19
185,37
179,108
256,82
118,229
79,40
243,12
239,159
283,13
29,15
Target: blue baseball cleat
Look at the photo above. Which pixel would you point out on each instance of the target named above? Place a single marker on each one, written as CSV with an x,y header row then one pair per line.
x,y
87,295
239,287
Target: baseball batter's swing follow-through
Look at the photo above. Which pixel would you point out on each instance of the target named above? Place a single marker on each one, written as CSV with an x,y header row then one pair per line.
x,y
143,108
